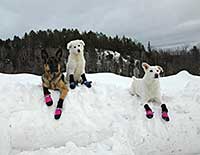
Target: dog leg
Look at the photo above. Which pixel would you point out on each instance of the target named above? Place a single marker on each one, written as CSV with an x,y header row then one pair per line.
x,y
47,96
148,110
164,112
64,91
85,82
72,83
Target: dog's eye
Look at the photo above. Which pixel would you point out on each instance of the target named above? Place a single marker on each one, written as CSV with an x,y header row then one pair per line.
x,y
74,46
151,71
79,45
157,70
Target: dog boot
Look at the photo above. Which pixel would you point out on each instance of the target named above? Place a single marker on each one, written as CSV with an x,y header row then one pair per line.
x,y
165,116
165,112
72,85
48,100
148,110
58,113
87,84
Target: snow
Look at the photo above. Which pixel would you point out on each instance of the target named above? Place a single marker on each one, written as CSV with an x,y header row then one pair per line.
x,y
102,120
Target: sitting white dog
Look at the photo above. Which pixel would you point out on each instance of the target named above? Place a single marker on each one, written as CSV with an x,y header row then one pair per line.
x,y
76,64
148,88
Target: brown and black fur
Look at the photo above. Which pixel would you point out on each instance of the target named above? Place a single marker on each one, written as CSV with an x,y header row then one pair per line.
x,y
53,77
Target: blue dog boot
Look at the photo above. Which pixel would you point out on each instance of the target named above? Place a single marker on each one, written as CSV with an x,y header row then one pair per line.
x,y
72,85
87,84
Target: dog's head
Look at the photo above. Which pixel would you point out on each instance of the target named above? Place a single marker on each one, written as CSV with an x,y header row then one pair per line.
x,y
52,64
152,72
76,47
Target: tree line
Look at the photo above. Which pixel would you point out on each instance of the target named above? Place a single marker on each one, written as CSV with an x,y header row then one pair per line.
x,y
19,55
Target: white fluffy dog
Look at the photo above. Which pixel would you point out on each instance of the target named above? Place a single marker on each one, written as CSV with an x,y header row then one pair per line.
x,y
148,88
76,64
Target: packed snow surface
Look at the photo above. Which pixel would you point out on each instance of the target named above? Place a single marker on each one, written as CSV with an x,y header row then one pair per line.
x,y
102,120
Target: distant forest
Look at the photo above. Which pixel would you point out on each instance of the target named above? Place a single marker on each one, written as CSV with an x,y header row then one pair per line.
x,y
120,55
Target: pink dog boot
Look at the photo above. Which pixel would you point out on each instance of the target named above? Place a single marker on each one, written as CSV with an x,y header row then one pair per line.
x,y
48,100
148,110
165,116
165,112
58,113
149,114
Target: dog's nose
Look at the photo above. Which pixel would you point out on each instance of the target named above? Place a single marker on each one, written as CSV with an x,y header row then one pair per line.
x,y
53,68
156,76
79,50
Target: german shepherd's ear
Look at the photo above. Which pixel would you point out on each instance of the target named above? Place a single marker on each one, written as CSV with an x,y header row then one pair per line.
x,y
59,54
44,55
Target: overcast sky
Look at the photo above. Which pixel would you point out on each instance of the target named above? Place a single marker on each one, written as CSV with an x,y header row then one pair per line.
x,y
163,22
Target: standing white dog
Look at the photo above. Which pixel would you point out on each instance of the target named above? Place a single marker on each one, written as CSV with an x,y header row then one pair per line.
x,y
76,64
149,89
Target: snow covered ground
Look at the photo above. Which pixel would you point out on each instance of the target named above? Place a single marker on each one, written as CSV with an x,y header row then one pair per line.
x,y
103,120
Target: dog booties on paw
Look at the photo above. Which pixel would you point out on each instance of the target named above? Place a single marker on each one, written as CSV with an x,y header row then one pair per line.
x,y
58,113
87,84
72,85
149,114
165,116
48,100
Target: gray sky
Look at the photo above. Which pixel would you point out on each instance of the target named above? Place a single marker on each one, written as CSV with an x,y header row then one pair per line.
x,y
163,22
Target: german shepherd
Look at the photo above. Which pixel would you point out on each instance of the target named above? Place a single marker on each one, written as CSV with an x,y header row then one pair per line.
x,y
53,79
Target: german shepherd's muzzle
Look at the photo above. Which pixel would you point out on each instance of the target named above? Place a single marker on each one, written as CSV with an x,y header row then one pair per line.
x,y
53,79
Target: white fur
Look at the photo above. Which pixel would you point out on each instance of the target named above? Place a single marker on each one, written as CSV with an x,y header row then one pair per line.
x,y
76,60
148,87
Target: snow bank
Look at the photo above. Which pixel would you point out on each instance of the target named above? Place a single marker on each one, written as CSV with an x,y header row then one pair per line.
x,y
103,120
